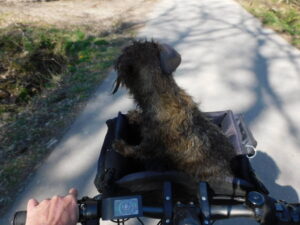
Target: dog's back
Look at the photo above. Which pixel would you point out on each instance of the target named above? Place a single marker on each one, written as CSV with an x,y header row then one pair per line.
x,y
193,143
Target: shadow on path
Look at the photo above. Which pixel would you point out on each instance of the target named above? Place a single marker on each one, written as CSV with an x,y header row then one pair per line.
x,y
268,172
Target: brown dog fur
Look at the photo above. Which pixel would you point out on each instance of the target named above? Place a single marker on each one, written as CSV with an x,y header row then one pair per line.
x,y
172,127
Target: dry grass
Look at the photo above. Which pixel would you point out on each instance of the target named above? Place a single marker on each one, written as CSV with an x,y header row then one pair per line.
x,y
94,15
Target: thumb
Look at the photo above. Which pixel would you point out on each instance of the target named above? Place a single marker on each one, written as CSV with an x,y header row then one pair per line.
x,y
73,192
32,203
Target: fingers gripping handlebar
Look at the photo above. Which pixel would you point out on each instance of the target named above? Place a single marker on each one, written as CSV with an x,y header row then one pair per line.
x,y
89,210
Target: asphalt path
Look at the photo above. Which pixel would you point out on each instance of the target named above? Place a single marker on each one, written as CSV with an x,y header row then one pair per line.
x,y
229,62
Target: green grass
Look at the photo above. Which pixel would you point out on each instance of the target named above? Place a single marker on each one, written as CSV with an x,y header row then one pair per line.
x,y
286,21
281,16
49,73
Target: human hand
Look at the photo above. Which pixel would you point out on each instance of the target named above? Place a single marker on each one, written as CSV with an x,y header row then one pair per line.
x,y
55,211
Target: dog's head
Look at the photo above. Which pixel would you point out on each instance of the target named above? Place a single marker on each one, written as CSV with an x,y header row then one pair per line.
x,y
143,63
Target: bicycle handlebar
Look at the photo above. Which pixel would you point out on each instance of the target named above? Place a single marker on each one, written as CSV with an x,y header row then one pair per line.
x,y
268,212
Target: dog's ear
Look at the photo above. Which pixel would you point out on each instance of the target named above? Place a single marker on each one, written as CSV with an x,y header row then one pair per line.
x,y
169,58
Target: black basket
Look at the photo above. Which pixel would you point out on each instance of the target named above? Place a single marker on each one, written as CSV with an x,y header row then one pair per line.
x,y
118,175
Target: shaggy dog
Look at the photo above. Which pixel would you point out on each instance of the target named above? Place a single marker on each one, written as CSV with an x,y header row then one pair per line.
x,y
173,129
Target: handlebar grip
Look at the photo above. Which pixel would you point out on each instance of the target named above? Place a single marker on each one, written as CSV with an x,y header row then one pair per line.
x,y
89,209
19,218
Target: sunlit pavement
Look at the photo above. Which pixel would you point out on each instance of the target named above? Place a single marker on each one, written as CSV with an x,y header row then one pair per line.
x,y
229,62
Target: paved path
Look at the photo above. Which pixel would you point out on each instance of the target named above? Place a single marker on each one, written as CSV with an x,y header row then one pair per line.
x,y
229,62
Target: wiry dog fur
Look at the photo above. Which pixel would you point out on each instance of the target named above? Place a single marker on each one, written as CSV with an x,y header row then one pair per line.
x,y
172,126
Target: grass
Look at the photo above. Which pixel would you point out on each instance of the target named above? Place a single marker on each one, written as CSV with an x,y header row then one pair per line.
x,y
46,75
282,16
